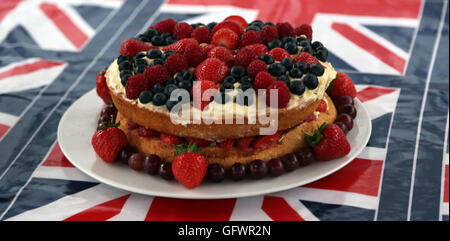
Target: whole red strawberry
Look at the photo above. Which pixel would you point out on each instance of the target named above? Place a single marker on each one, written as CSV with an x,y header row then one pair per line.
x,y
109,141
198,91
189,166
328,142
238,19
235,27
341,86
165,26
212,69
132,46
225,37
102,88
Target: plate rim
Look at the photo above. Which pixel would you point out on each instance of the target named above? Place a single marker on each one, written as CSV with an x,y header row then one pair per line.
x,y
122,186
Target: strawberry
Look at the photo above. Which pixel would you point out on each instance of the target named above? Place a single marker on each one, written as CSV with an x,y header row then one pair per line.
x,y
226,38
269,33
189,166
250,37
341,86
304,29
170,139
223,54
132,46
135,85
109,141
200,142
322,106
146,132
264,142
182,30
180,45
156,74
283,94
235,27
285,29
328,142
201,34
102,88
306,57
238,19
197,91
263,80
194,54
165,26
208,47
258,49
212,69
175,63
227,144
244,143
255,67
244,57
279,54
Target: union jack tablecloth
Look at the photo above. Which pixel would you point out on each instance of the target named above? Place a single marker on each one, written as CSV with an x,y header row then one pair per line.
x,y
397,52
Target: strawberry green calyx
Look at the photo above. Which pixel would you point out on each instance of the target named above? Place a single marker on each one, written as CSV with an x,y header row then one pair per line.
x,y
313,139
111,124
191,147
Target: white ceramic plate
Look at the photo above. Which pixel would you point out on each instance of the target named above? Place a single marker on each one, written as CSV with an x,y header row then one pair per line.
x,y
79,123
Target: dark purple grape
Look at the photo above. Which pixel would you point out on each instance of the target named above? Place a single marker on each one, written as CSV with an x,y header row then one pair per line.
x,y
237,171
108,110
100,125
348,109
105,118
152,163
165,170
346,119
136,161
343,100
343,127
290,162
125,153
305,156
257,169
276,167
215,172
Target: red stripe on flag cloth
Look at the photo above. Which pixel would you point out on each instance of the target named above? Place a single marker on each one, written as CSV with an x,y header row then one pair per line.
x,y
56,158
7,6
165,209
279,210
65,24
446,185
359,176
371,46
3,129
28,68
101,212
371,92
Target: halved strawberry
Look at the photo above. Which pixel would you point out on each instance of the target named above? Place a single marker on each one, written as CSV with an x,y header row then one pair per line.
x,y
227,144
230,25
244,143
226,38
238,19
170,139
263,142
223,54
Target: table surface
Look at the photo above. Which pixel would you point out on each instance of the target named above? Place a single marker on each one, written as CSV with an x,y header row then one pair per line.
x,y
397,53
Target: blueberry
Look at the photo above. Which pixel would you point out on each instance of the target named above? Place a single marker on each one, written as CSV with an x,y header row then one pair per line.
x,y
122,58
166,35
253,27
157,40
125,72
276,43
229,79
124,79
145,96
245,86
316,44
297,87
291,48
170,104
167,54
172,81
267,58
154,53
285,79
316,69
245,79
304,43
125,65
301,39
288,63
311,81
143,38
138,55
157,61
168,89
151,32
237,71
196,25
295,73
211,25
288,39
170,40
226,86
321,54
185,75
302,66
140,69
307,49
269,24
159,99
257,22
140,62
185,84
158,88
222,98
277,69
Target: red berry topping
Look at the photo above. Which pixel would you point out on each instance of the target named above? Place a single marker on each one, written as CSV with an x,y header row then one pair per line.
x,y
165,26
227,144
208,47
244,143
182,30
235,27
132,46
285,29
226,38
135,85
170,139
223,54
332,145
322,106
342,85
102,88
175,63
269,33
263,80
266,141
201,34
238,19
200,142
279,54
250,37
304,29
212,69
258,49
198,90
145,132
194,54
156,74
180,45
107,143
255,67
244,57
189,167
307,58
283,95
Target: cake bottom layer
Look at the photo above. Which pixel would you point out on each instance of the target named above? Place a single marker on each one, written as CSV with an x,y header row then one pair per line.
x,y
291,140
